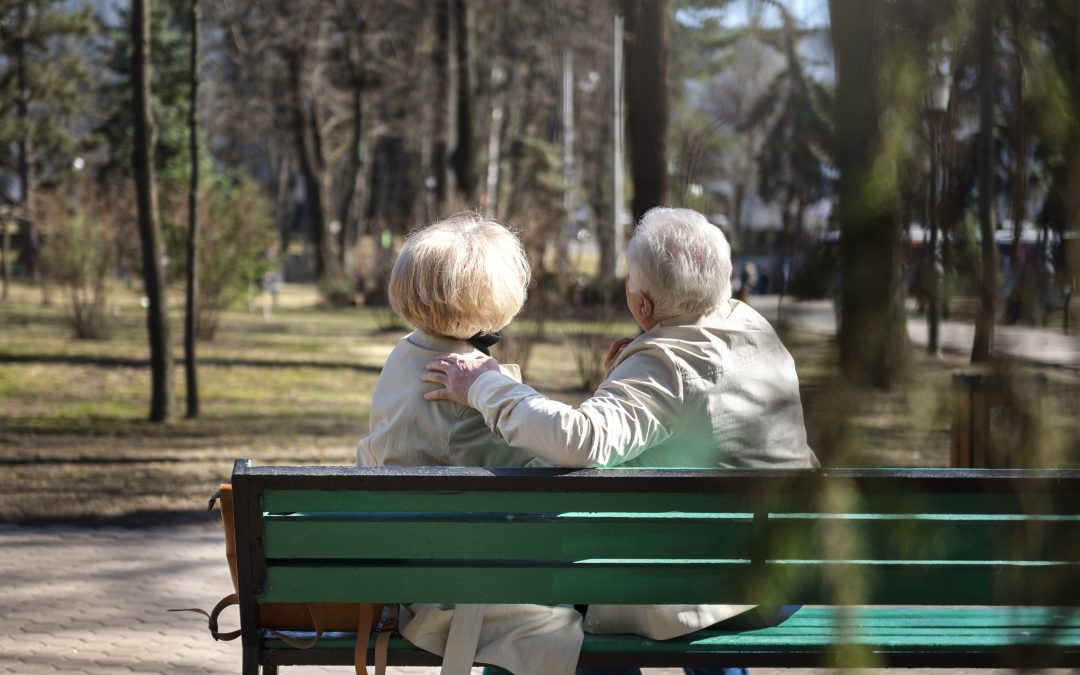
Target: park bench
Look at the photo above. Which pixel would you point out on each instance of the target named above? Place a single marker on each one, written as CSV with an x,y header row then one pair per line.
x,y
895,568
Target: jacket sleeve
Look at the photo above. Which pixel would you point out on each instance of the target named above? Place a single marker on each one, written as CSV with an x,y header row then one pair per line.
x,y
633,410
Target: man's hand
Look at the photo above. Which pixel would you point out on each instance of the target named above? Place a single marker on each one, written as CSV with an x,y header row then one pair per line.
x,y
614,350
456,374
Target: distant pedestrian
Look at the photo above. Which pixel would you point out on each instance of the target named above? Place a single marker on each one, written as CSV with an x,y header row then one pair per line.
x,y
748,279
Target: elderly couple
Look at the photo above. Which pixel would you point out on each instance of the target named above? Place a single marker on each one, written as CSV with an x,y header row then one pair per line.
x,y
708,384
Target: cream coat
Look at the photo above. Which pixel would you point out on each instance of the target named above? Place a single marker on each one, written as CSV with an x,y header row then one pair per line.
x,y
718,391
407,430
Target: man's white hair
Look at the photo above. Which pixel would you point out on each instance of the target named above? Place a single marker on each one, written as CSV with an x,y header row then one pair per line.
x,y
681,261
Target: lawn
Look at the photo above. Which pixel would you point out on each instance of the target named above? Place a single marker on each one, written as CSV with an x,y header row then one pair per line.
x,y
294,389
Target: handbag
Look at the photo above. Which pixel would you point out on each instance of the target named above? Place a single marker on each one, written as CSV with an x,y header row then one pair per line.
x,y
303,616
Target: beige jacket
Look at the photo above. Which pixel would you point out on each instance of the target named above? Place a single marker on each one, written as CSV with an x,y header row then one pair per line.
x,y
407,430
718,391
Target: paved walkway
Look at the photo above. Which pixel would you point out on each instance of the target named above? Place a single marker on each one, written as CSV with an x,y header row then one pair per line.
x,y
1036,345
78,600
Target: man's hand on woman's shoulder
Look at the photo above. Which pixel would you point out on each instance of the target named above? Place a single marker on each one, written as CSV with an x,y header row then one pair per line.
x,y
456,373
614,349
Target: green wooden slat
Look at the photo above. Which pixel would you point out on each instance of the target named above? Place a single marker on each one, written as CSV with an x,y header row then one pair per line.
x,y
577,583
672,536
313,501
941,582
674,582
938,538
914,501
550,539
289,501
976,629
894,617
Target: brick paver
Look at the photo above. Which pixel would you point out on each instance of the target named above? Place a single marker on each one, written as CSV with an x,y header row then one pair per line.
x,y
95,600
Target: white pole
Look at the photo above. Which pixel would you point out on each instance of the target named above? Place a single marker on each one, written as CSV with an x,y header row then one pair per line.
x,y
568,156
619,190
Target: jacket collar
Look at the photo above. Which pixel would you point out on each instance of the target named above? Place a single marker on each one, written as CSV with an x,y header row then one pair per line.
x,y
439,343
720,313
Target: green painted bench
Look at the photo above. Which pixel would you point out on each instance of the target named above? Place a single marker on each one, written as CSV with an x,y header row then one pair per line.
x,y
895,568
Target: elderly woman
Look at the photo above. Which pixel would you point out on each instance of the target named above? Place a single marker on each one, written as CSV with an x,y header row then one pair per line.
x,y
458,282
708,384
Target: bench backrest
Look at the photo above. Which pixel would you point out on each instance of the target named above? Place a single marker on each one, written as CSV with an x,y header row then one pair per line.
x,y
387,535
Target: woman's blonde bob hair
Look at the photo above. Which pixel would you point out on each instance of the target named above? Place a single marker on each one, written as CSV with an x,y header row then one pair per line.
x,y
459,277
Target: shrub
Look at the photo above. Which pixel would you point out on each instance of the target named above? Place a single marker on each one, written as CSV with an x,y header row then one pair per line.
x,y
81,248
589,341
235,239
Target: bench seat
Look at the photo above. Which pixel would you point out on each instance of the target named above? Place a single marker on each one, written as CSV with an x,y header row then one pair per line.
x,y
894,567
899,637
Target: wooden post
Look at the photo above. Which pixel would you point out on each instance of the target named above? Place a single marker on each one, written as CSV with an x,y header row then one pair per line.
x,y
997,420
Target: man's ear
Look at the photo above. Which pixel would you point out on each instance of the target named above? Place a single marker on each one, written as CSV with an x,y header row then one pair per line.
x,y
645,305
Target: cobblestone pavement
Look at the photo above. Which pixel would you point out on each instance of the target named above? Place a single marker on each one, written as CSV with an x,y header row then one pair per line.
x,y
76,600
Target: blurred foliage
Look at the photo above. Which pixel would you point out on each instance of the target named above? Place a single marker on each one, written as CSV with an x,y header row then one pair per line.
x,y
235,240
169,91
45,36
84,243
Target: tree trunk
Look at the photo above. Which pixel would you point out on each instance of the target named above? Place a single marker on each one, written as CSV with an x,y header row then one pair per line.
x,y
1071,189
157,319
5,248
440,64
190,306
495,137
462,160
284,204
562,249
29,236
598,161
1019,136
521,110
873,329
307,135
646,37
984,319
355,168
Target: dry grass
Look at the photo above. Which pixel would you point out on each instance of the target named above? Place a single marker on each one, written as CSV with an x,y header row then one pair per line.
x,y
75,446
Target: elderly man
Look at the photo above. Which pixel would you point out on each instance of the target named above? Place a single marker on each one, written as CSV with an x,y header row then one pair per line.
x,y
708,384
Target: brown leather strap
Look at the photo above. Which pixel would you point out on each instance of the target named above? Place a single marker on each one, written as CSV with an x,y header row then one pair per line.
x,y
382,643
212,617
363,631
315,611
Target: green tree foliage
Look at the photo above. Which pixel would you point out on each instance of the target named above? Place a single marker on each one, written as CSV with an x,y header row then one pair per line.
x,y
169,95
794,165
234,233
43,78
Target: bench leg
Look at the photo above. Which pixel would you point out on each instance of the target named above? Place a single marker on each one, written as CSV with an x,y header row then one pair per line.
x,y
251,662
270,670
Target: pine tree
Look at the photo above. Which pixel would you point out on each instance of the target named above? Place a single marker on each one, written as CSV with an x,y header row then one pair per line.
x,y
41,90
169,72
